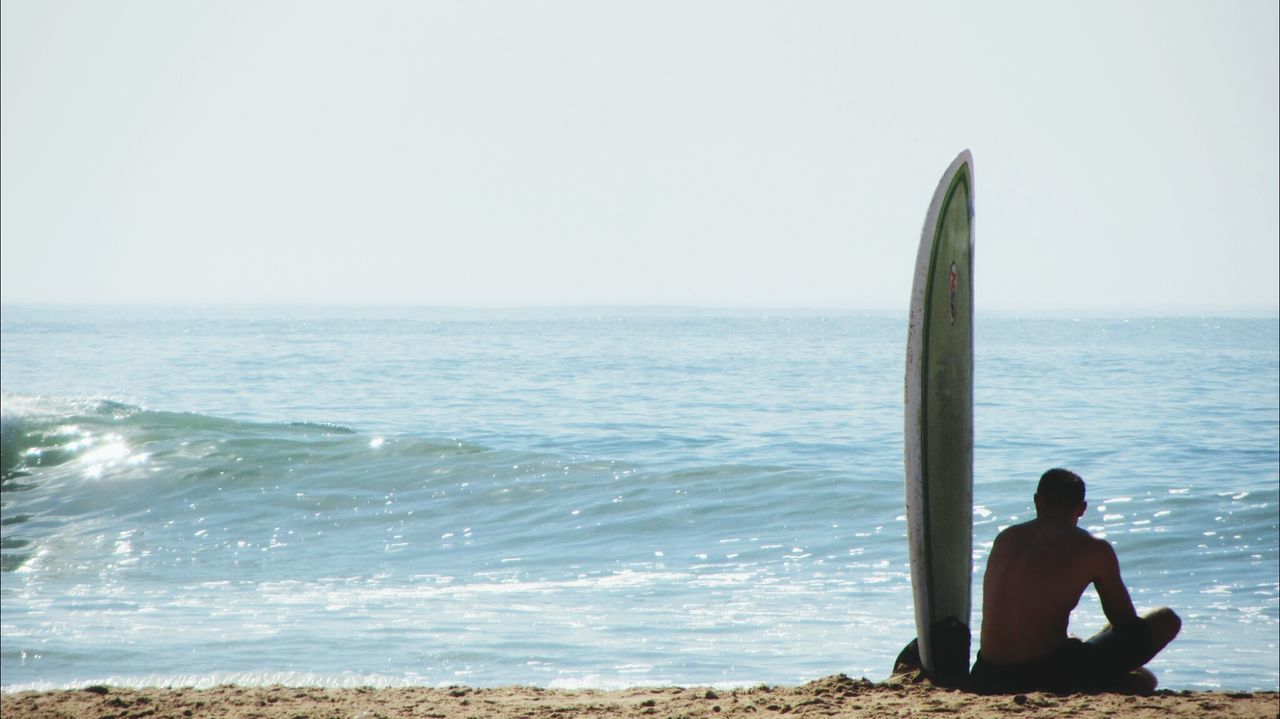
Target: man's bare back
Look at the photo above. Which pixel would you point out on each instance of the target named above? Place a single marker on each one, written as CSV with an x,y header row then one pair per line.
x,y
1052,563
1036,574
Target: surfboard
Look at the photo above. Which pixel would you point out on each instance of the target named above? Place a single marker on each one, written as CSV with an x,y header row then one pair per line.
x,y
938,424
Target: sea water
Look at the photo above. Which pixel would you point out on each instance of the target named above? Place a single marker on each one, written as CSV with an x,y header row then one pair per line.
x,y
589,497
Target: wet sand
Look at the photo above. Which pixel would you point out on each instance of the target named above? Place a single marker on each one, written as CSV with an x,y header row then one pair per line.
x,y
836,696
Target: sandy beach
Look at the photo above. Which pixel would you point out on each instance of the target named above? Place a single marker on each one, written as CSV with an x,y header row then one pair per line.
x,y
836,696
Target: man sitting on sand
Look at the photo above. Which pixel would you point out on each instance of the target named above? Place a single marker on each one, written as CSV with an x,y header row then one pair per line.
x,y
1035,576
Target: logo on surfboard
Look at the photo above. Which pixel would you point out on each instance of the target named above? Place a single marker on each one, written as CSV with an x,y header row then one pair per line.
x,y
954,282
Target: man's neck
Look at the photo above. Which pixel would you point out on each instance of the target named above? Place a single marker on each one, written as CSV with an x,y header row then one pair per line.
x,y
1059,518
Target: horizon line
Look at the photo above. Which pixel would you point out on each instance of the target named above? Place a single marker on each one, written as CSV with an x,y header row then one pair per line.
x,y
1189,310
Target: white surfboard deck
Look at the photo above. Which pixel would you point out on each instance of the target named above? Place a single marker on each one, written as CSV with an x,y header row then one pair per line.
x,y
938,426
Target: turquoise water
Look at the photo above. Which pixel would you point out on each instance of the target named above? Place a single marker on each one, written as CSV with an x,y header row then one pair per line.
x,y
589,497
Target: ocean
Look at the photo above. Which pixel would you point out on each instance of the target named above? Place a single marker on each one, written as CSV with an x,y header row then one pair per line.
x,y
590,497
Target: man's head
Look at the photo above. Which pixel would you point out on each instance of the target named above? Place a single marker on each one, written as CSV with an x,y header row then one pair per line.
x,y
1060,493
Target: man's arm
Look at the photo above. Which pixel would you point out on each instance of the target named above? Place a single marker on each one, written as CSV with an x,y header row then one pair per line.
x,y
1116,603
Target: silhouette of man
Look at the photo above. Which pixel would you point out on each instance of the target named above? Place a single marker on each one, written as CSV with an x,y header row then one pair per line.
x,y
1036,574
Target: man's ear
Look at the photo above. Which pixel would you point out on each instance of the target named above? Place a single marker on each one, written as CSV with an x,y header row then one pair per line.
x,y
1083,506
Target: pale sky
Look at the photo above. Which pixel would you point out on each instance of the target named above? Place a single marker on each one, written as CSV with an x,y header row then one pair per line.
x,y
756,154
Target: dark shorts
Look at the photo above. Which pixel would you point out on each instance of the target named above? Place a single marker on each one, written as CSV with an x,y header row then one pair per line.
x,y
1097,664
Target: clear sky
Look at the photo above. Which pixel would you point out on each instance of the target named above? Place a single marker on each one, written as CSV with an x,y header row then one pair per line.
x,y
705,153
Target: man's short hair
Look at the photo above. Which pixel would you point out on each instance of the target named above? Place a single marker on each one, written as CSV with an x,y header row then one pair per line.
x,y
1061,488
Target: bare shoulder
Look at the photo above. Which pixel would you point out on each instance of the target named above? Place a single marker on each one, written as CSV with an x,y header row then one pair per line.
x,y
1012,532
1099,550
1009,538
1097,543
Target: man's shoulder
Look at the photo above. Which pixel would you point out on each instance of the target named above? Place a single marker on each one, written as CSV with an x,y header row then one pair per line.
x,y
1100,546
1087,537
1095,552
1062,536
1094,545
1016,529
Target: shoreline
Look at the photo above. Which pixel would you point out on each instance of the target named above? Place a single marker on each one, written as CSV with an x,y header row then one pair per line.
x,y
834,696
